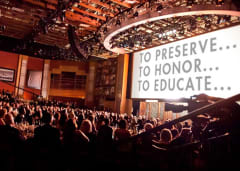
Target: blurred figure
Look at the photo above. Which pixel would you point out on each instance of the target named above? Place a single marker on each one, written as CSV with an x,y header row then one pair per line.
x,y
165,136
146,140
11,144
2,115
86,128
183,138
47,135
165,139
122,132
105,139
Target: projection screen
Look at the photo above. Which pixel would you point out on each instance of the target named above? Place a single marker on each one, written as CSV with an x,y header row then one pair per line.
x,y
34,79
208,64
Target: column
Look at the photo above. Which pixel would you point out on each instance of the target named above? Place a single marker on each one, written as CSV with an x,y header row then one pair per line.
x,y
90,84
46,79
23,74
121,87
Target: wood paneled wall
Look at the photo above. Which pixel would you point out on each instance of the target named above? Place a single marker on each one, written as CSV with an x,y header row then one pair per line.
x,y
10,61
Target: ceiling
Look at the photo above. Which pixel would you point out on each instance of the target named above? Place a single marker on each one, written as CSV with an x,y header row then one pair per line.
x,y
46,22
40,27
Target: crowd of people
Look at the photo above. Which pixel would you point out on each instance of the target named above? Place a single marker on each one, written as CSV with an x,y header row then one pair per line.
x,y
50,135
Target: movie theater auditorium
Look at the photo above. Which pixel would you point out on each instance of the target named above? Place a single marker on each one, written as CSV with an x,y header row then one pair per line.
x,y
119,84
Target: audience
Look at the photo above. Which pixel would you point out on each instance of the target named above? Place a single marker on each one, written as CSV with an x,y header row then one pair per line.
x,y
65,134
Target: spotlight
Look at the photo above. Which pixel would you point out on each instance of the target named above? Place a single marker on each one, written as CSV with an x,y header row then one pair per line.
x,y
159,8
219,20
40,51
227,18
121,45
208,24
223,19
190,3
159,35
169,33
219,2
149,40
131,44
45,30
164,36
44,26
125,44
199,18
105,30
181,32
113,46
108,17
62,16
135,14
193,25
118,22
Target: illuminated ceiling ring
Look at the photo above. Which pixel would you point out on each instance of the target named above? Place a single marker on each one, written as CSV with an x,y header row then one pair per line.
x,y
228,9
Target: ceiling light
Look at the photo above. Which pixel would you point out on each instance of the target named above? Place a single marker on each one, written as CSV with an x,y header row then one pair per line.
x,y
130,1
17,9
67,46
83,25
75,4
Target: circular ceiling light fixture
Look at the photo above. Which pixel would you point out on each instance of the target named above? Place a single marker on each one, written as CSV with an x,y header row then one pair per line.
x,y
174,18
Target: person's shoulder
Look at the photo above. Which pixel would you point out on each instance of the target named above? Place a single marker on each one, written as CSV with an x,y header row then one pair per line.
x,y
109,128
49,127
38,128
11,130
177,141
117,130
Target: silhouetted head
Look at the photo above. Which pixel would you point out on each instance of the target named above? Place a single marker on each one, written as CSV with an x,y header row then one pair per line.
x,y
166,135
123,124
47,118
148,126
86,126
9,120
